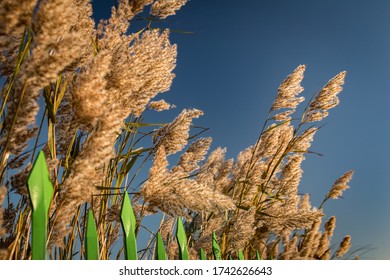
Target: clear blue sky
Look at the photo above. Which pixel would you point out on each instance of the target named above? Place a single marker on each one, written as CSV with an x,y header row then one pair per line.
x,y
239,53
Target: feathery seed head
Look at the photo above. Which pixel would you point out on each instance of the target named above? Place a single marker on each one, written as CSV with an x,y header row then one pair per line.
x,y
160,105
303,141
174,136
289,89
59,39
344,246
291,174
326,99
304,204
194,154
340,185
140,69
89,97
15,16
174,193
165,8
330,225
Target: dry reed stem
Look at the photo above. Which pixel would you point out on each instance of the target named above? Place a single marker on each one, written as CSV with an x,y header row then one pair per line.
x,y
3,192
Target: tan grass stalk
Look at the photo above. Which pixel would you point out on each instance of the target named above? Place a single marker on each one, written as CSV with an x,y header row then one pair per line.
x,y
3,192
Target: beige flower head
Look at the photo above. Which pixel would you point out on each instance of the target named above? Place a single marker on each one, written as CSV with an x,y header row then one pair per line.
x,y
344,246
289,89
340,185
326,99
160,105
174,136
165,8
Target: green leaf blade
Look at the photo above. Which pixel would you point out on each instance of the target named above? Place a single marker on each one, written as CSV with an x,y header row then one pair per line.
x,y
216,248
91,239
128,225
182,240
203,255
241,255
160,250
40,192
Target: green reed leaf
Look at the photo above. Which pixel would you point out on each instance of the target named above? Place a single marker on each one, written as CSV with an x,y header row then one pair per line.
x,y
216,248
91,239
258,255
160,250
241,255
128,226
203,255
41,192
182,240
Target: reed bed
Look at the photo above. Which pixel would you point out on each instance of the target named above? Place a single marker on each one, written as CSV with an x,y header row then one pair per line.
x,y
90,86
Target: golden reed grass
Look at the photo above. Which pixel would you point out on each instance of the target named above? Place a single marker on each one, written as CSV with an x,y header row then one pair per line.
x,y
96,84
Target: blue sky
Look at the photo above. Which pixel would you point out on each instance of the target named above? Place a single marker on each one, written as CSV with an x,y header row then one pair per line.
x,y
240,51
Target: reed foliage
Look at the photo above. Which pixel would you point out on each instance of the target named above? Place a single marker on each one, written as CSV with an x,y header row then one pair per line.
x,y
78,91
